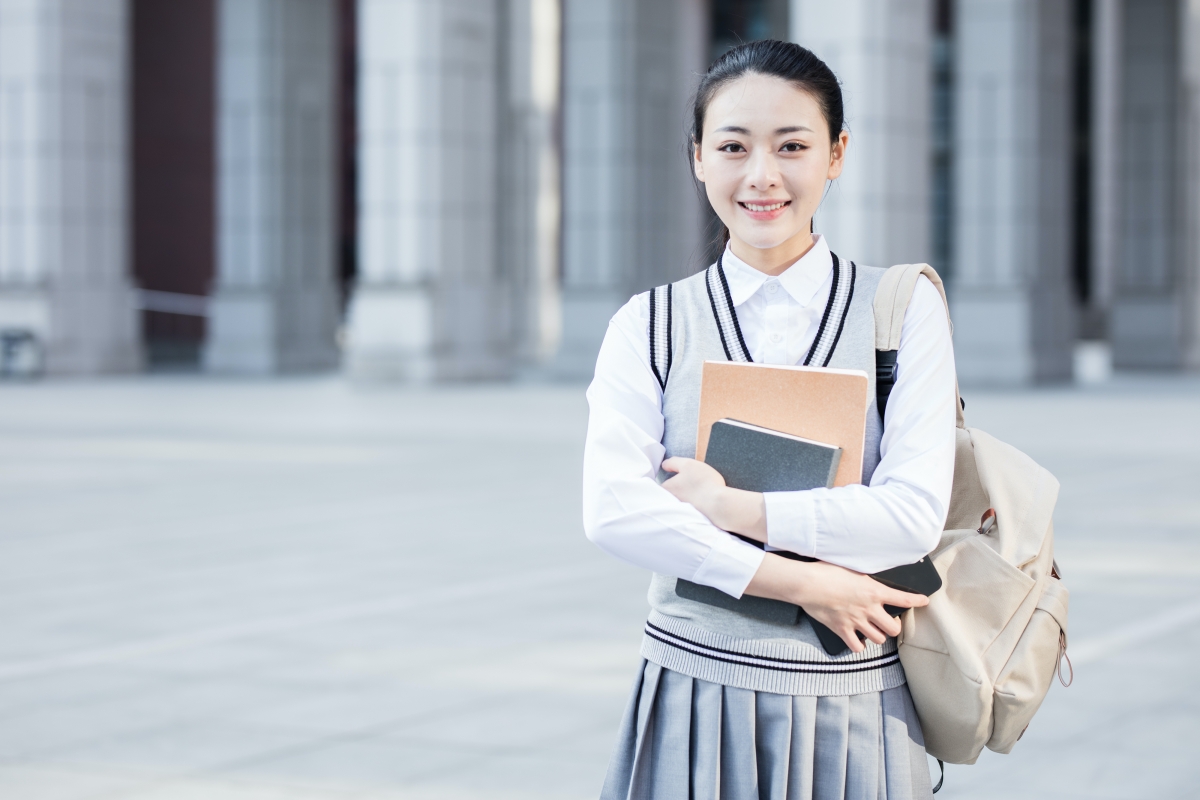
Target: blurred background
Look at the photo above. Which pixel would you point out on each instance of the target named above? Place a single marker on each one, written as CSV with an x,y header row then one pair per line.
x,y
417,190
297,303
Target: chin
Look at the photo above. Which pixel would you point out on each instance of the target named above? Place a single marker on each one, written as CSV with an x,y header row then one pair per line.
x,y
763,240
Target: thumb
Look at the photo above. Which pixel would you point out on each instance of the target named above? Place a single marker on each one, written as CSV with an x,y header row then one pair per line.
x,y
672,464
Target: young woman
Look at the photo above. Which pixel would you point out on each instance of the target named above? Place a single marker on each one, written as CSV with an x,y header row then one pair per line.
x,y
727,705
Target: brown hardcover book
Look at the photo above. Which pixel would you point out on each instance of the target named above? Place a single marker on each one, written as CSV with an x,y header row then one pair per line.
x,y
818,403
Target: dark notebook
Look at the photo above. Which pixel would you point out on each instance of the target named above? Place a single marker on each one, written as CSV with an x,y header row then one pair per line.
x,y
762,460
759,459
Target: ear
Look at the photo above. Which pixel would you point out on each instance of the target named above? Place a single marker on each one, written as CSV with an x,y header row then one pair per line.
x,y
697,163
837,156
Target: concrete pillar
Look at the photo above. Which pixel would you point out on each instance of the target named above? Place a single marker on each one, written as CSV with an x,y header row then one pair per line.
x,y
1154,299
274,307
429,300
64,252
632,216
879,211
1010,296
529,174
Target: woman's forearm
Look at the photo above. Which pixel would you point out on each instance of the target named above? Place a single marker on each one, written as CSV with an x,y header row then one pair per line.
x,y
779,578
739,511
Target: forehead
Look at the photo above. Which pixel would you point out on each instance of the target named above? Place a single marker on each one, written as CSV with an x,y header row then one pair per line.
x,y
762,101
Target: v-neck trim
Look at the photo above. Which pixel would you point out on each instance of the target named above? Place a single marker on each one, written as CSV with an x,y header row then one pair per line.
x,y
733,342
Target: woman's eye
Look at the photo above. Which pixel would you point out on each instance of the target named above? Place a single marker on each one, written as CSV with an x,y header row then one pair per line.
x,y
793,147
731,147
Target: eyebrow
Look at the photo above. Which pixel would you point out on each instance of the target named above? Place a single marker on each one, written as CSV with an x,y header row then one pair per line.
x,y
746,132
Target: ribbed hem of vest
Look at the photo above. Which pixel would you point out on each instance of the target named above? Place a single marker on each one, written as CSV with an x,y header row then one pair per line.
x,y
767,665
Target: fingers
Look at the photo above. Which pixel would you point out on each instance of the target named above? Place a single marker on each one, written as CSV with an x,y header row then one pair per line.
x,y
850,635
895,597
885,622
673,464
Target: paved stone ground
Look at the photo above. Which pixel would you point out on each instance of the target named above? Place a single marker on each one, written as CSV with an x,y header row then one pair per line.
x,y
300,589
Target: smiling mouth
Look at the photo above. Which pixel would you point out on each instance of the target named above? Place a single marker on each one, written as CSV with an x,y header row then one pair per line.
x,y
760,208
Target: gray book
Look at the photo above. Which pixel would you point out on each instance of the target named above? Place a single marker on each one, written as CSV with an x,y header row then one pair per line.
x,y
759,459
762,460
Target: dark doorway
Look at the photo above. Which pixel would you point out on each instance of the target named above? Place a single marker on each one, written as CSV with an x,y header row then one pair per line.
x,y
943,139
173,160
348,139
1081,162
737,21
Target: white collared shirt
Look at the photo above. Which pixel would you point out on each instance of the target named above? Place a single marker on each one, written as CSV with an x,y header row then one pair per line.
x,y
896,520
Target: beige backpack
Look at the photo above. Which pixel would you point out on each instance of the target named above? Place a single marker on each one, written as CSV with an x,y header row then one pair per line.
x,y
981,656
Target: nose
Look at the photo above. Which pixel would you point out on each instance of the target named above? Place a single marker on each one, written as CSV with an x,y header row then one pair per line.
x,y
763,172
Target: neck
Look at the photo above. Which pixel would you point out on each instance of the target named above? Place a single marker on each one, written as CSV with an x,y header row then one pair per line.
x,y
773,260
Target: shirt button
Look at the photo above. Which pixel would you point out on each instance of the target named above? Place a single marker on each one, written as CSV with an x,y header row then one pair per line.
x,y
772,287
776,338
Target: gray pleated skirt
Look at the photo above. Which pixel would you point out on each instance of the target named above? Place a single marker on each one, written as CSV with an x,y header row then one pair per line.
x,y
689,739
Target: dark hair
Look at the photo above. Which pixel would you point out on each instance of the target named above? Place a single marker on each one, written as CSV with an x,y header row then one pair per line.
x,y
786,60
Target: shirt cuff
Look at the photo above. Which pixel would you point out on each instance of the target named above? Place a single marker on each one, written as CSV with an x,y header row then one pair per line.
x,y
731,568
792,522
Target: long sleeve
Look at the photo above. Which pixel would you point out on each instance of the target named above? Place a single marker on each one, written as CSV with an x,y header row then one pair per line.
x,y
898,518
625,511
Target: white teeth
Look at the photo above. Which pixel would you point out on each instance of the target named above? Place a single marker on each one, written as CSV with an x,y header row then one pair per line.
x,y
753,207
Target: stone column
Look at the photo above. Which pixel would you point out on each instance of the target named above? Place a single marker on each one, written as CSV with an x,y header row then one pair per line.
x,y
274,307
530,184
879,211
64,252
1154,299
428,301
1010,296
632,215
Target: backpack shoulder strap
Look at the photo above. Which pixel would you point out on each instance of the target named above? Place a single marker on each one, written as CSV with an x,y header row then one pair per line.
x,y
892,296
660,333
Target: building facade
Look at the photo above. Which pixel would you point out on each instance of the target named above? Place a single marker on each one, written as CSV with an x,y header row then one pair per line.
x,y
468,189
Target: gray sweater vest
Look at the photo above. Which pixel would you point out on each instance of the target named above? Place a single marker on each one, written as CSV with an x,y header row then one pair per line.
x,y
718,644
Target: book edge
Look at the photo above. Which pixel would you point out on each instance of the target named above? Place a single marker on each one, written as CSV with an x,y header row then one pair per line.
x,y
858,373
782,434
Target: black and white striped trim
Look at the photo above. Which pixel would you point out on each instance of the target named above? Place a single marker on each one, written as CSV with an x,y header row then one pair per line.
x,y
834,318
660,333
769,662
795,667
828,334
732,341
722,308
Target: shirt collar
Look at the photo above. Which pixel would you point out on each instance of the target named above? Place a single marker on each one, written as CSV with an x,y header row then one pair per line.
x,y
801,280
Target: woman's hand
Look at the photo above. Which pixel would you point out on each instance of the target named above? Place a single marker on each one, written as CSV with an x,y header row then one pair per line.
x,y
847,602
729,509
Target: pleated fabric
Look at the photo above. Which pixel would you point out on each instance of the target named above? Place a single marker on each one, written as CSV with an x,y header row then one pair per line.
x,y
683,738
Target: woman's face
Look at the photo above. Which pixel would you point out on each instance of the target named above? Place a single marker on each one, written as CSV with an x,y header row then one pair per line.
x,y
764,159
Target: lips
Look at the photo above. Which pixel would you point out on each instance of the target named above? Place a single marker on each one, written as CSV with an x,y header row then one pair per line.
x,y
764,210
